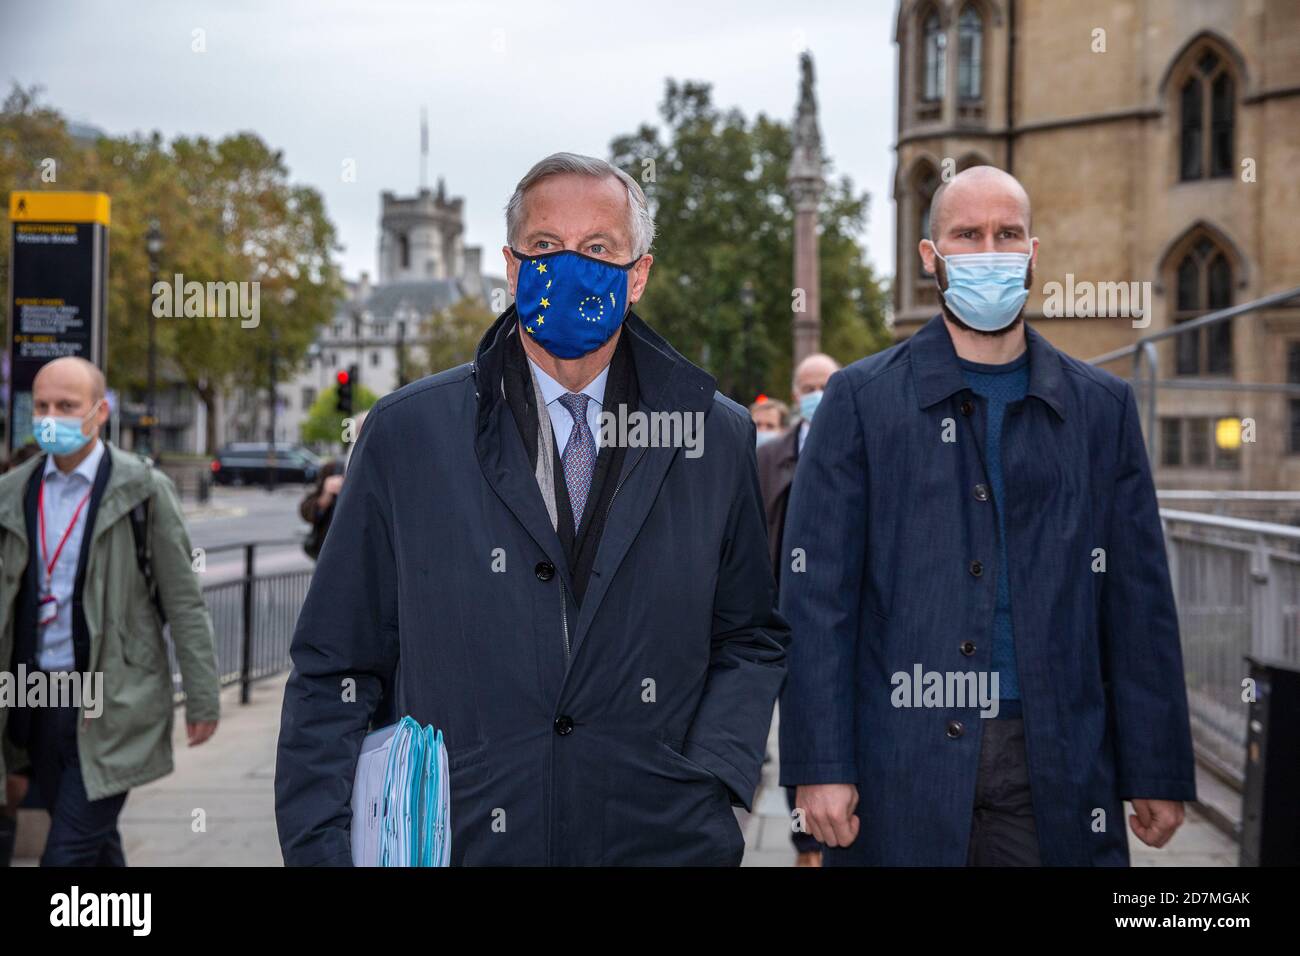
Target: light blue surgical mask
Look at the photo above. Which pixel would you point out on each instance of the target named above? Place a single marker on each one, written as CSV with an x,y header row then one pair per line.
x,y
986,290
61,436
808,404
762,438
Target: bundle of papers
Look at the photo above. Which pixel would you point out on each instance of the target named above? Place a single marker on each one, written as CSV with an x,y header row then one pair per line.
x,y
401,798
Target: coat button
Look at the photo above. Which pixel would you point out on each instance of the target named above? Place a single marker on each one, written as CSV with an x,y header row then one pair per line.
x,y
981,492
967,408
976,568
544,570
968,648
955,729
564,725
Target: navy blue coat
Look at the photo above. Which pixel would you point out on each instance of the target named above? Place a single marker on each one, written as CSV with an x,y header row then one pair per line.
x,y
561,751
885,512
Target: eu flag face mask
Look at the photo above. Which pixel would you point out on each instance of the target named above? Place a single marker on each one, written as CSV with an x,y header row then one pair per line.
x,y
986,290
569,303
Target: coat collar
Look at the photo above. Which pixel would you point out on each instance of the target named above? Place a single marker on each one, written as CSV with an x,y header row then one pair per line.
x,y
129,483
937,372
667,381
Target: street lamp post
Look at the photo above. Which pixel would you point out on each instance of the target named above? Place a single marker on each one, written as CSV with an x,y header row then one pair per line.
x,y
153,243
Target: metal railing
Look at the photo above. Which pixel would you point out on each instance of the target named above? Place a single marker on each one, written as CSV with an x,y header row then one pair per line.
x,y
1146,380
1237,586
253,618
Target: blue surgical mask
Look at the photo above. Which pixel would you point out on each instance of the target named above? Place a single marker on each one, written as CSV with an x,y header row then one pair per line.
x,y
61,436
569,303
762,438
986,290
808,404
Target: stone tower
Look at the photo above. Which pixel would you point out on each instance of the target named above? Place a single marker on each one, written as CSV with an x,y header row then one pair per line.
x,y
807,181
420,237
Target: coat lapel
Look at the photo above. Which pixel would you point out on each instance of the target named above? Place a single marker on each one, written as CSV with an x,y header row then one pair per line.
x,y
501,454
667,383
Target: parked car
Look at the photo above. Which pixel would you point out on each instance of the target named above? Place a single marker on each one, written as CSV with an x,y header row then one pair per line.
x,y
250,463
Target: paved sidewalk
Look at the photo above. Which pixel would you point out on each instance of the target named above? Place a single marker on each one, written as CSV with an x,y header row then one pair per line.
x,y
230,778
767,833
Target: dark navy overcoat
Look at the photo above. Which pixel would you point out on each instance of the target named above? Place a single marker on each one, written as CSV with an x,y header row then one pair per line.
x,y
894,522
622,731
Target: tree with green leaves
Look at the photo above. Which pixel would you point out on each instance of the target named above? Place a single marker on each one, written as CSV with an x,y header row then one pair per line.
x,y
324,422
228,213
722,285
449,338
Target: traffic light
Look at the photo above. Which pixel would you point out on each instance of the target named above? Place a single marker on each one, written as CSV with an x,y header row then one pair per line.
x,y
343,397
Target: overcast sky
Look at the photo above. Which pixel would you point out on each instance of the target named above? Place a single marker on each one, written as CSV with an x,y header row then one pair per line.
x,y
505,83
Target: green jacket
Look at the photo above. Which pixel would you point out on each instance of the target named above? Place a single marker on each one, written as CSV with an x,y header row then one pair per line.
x,y
129,744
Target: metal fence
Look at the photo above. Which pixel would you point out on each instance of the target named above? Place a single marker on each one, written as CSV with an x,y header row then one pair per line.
x,y
253,617
1237,585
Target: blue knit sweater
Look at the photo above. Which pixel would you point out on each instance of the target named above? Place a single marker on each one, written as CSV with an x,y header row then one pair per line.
x,y
999,386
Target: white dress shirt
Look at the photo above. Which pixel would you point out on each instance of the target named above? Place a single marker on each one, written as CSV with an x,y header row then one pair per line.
x,y
804,425
62,495
561,420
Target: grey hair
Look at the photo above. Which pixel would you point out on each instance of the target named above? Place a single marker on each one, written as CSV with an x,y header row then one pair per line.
x,y
641,223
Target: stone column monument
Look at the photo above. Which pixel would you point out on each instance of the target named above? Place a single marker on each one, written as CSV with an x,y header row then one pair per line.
x,y
807,182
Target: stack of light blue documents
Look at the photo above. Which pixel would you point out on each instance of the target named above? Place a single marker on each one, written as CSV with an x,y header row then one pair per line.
x,y
401,798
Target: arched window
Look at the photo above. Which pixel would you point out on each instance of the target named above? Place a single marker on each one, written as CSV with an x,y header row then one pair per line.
x,y
1203,283
970,55
926,182
934,56
404,247
1206,112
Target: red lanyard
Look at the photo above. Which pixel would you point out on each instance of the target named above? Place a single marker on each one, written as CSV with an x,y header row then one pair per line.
x,y
40,514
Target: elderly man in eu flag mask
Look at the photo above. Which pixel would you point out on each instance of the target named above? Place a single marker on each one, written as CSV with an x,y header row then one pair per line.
x,y
589,623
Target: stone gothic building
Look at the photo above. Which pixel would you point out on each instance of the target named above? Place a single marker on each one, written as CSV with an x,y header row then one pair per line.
x,y
1158,140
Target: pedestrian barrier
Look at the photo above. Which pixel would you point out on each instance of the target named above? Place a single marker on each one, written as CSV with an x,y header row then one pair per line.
x,y
253,617
1237,586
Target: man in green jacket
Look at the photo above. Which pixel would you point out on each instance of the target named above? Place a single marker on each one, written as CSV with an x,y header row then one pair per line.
x,y
88,693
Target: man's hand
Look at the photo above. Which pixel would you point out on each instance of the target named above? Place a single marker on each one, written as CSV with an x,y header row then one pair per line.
x,y
1155,821
200,730
828,812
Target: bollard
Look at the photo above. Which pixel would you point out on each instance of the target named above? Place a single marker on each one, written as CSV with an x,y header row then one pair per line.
x,y
246,658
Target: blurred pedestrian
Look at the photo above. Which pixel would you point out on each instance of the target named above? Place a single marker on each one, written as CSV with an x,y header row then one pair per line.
x,y
89,526
777,460
770,417
317,507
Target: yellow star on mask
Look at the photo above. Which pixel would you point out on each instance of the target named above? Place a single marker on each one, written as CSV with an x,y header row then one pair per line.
x,y
546,303
541,267
530,329
541,320
548,283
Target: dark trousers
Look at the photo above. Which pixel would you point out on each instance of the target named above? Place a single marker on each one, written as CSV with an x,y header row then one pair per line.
x,y
1003,831
83,832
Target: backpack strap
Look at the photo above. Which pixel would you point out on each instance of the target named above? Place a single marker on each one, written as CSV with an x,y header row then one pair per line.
x,y
141,530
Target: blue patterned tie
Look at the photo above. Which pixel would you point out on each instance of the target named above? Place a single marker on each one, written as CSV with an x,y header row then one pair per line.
x,y
579,455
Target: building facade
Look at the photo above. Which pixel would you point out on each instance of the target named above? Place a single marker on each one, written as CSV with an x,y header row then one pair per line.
x,y
424,269
1157,140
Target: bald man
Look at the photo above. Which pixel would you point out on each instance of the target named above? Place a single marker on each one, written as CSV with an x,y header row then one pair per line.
x,y
777,461
985,657
96,559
